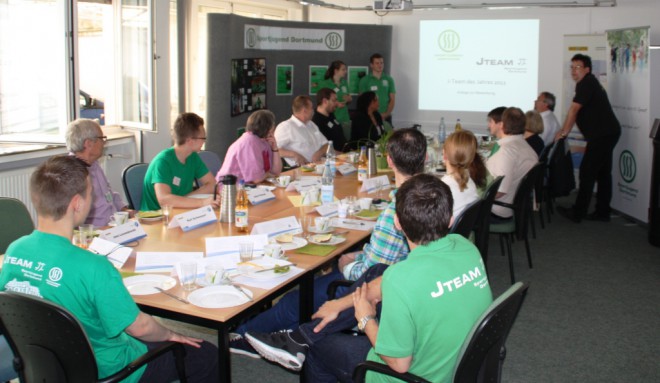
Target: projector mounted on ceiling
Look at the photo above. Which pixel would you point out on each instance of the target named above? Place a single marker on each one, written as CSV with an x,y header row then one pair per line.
x,y
393,5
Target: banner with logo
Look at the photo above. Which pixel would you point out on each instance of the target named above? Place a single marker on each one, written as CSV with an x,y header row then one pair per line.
x,y
293,39
629,90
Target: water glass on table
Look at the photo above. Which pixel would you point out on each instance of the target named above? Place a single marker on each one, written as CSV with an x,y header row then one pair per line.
x,y
188,275
167,213
245,251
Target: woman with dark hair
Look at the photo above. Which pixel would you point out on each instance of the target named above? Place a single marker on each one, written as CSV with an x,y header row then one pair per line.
x,y
255,154
335,79
367,122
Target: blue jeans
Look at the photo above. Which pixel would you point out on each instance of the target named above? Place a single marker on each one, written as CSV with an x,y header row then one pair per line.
x,y
6,361
201,365
335,357
285,314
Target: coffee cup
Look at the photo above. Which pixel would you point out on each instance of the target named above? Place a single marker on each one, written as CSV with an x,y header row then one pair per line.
x,y
365,203
284,180
214,274
119,218
322,223
273,250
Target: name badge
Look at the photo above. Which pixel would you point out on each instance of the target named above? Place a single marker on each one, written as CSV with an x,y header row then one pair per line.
x,y
176,181
129,232
346,168
336,90
385,82
374,88
196,218
257,196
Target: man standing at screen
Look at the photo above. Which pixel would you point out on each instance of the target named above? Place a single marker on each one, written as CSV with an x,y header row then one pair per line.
x,y
592,112
545,105
381,84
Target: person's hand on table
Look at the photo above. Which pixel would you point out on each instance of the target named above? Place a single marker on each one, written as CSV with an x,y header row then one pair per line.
x,y
327,313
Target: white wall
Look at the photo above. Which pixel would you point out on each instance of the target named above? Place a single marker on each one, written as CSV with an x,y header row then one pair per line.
x,y
554,24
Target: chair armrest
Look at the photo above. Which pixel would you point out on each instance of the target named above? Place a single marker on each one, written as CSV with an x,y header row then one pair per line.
x,y
496,202
135,365
334,285
361,371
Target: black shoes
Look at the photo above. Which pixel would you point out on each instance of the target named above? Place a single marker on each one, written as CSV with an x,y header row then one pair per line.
x,y
569,214
598,217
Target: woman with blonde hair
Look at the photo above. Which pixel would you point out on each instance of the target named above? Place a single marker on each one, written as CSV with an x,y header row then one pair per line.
x,y
533,129
460,151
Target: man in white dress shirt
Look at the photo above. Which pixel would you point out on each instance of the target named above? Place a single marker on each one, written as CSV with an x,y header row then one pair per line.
x,y
545,105
299,139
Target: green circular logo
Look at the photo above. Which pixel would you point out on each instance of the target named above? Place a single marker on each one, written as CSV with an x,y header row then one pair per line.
x,y
251,37
449,40
333,40
627,166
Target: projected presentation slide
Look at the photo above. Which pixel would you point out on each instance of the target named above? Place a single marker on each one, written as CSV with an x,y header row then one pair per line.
x,y
477,65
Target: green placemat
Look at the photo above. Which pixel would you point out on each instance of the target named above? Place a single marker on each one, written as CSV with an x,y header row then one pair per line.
x,y
126,274
369,214
312,249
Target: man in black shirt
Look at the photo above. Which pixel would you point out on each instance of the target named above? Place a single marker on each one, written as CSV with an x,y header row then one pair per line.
x,y
592,112
324,118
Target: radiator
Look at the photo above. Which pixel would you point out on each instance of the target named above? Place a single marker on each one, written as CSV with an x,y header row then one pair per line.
x,y
15,184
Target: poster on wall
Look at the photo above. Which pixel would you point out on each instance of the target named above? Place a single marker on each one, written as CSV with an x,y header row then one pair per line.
x,y
629,91
316,73
355,74
248,85
284,80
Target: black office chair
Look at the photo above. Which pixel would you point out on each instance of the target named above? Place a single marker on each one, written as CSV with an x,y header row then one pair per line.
x,y
481,357
517,225
483,222
50,344
133,181
466,222
15,221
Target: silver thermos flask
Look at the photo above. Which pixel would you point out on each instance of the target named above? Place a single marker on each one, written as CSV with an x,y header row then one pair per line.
x,y
228,199
371,160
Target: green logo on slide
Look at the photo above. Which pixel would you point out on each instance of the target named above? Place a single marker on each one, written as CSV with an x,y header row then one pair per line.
x,y
449,40
627,166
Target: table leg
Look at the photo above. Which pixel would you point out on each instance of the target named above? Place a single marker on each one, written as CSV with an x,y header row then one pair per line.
x,y
224,361
306,297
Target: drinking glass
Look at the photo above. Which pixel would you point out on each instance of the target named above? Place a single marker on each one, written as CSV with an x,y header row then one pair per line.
x,y
245,251
167,212
353,206
188,275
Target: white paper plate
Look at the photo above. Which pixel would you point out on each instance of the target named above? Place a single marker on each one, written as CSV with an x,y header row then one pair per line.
x,y
200,196
144,284
217,297
333,241
266,275
296,244
313,229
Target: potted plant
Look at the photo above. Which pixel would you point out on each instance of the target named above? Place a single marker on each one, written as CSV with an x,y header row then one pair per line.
x,y
381,150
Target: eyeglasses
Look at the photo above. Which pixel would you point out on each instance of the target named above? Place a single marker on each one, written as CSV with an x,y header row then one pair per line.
x,y
574,67
102,138
199,138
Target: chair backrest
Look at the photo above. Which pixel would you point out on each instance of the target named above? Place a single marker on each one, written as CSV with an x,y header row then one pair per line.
x,y
466,222
48,342
522,201
543,157
15,221
480,359
483,222
211,160
133,180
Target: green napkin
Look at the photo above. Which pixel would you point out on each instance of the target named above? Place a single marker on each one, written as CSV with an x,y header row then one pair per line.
x,y
312,249
126,274
369,214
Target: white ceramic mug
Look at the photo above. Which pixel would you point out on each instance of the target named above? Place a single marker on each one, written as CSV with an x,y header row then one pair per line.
x,y
273,250
322,223
214,274
365,203
119,218
284,180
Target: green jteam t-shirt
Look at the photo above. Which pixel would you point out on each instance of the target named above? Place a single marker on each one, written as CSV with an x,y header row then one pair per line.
x,y
382,86
430,303
166,169
86,284
341,114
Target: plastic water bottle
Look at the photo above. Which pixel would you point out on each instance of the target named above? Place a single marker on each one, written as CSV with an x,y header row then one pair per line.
x,y
327,184
241,215
362,165
330,155
442,130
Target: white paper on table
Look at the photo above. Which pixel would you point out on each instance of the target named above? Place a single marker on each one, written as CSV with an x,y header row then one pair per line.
x,y
353,224
346,168
304,183
276,227
266,187
328,209
375,184
268,283
257,196
116,254
162,262
228,246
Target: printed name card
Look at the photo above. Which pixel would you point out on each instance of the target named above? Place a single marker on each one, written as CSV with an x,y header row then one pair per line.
x,y
195,218
129,232
304,183
346,168
116,254
328,209
277,226
371,185
257,196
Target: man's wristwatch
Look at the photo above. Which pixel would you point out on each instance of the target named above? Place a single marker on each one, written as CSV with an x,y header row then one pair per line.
x,y
362,324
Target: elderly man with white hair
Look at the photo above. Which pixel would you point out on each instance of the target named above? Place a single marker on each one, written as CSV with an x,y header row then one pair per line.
x,y
85,140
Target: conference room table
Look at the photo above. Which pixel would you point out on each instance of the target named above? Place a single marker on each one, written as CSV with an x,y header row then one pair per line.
x,y
161,239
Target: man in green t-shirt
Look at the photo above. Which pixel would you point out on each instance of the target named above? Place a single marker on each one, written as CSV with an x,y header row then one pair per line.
x,y
430,301
45,264
171,174
381,84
